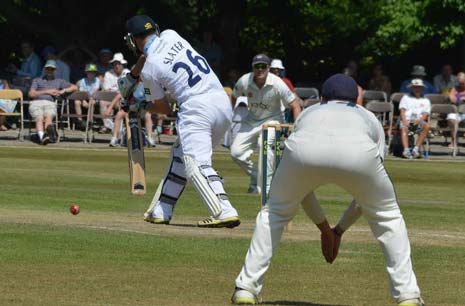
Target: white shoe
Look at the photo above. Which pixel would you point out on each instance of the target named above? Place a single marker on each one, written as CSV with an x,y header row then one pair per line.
x,y
244,297
150,141
406,154
114,142
415,153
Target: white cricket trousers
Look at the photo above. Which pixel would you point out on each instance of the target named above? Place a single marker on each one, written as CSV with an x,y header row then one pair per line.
x,y
311,160
247,140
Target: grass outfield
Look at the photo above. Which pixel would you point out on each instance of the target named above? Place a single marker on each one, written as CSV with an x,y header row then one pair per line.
x,y
107,255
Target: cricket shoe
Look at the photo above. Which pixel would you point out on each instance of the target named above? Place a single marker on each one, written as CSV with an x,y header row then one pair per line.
x,y
254,189
412,302
406,154
244,297
155,220
212,222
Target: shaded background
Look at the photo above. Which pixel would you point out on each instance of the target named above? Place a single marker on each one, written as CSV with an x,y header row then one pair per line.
x,y
313,38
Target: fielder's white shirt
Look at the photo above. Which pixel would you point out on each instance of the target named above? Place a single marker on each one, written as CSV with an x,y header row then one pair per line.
x,y
110,80
414,107
265,102
173,64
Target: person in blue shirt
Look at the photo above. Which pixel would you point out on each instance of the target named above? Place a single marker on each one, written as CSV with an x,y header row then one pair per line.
x,y
418,72
31,67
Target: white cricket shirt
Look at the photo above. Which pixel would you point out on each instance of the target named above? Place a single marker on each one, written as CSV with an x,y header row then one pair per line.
x,y
265,102
173,64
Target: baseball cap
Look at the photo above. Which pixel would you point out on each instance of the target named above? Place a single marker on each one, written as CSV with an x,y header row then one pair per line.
x,y
47,50
118,57
418,70
260,59
140,24
416,82
105,50
277,63
91,68
340,87
51,64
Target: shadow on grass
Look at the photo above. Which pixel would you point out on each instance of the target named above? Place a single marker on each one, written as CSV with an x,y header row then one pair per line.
x,y
295,303
183,225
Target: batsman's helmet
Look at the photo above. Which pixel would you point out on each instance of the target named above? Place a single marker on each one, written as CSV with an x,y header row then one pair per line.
x,y
340,87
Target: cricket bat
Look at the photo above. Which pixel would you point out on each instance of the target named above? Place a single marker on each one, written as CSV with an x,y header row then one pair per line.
x,y
135,153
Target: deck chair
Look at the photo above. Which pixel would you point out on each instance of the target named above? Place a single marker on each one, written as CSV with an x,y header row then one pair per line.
x,y
307,92
384,111
374,95
437,116
98,96
82,96
14,94
437,98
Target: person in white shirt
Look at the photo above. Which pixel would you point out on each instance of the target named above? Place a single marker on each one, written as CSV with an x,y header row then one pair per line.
x,y
414,112
89,84
110,83
265,92
204,115
333,142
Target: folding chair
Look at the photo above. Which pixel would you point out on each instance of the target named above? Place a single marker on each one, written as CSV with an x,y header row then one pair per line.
x,y
15,94
374,95
307,92
395,100
461,126
98,96
437,98
438,115
384,111
82,96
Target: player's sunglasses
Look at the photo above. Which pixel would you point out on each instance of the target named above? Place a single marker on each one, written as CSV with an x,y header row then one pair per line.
x,y
260,66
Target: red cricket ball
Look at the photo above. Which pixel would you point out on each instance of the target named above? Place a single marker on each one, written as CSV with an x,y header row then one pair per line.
x,y
74,209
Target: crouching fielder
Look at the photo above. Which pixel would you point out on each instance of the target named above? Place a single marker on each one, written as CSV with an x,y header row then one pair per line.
x,y
205,114
338,142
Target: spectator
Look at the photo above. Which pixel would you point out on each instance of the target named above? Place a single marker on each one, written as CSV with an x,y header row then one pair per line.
x,y
418,72
103,64
265,93
414,112
116,103
379,81
456,96
3,85
44,91
445,81
89,84
277,68
350,70
110,83
63,70
211,51
31,66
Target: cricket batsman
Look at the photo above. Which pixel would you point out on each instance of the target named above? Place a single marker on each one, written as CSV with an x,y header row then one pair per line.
x,y
340,142
204,115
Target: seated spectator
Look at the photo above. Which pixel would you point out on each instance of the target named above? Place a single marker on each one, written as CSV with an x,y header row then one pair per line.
x,y
63,70
3,85
379,81
349,70
445,81
31,66
89,84
277,68
104,57
121,114
110,83
414,112
456,96
418,72
43,92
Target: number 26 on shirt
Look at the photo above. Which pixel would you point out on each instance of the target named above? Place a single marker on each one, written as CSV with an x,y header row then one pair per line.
x,y
198,62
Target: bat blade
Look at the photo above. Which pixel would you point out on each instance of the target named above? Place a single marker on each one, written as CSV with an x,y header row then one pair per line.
x,y
135,154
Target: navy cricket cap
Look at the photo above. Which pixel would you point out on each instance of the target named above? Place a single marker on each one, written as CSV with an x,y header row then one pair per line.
x,y
140,24
340,87
261,59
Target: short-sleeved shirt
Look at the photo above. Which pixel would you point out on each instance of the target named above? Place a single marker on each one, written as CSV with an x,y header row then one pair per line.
x,y
110,80
88,85
31,67
44,84
265,102
414,107
172,63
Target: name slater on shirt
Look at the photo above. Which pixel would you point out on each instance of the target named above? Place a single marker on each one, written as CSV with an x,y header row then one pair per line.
x,y
173,52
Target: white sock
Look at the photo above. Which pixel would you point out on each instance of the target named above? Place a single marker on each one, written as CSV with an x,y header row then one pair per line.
x,y
41,134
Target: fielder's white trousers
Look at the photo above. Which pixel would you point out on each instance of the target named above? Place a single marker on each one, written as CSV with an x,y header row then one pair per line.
x,y
247,140
310,161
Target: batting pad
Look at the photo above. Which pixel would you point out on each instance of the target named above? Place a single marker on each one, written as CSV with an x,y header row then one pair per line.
x,y
208,189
